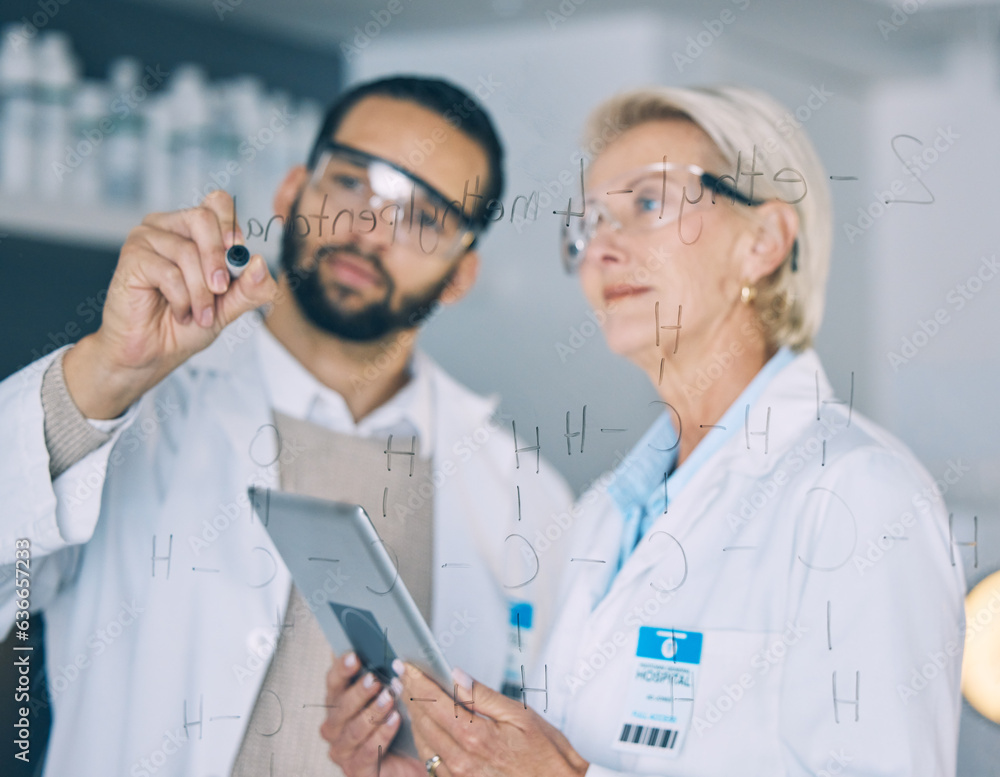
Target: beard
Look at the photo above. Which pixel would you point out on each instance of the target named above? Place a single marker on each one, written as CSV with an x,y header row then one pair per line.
x,y
370,323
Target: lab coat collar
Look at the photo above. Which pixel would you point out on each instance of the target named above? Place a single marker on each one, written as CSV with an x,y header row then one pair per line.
x,y
296,392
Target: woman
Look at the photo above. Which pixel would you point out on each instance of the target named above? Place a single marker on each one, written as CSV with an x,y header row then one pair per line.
x,y
744,601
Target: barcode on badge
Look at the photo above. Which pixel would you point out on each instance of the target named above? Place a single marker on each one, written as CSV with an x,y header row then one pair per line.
x,y
648,736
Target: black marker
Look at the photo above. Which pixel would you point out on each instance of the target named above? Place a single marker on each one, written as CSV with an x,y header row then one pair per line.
x,y
237,257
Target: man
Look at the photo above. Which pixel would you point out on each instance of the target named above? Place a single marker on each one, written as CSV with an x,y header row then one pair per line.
x,y
176,643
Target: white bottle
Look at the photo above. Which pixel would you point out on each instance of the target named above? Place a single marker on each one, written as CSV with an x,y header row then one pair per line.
x,y
58,74
157,160
189,142
90,121
123,159
17,111
305,127
223,171
275,136
253,199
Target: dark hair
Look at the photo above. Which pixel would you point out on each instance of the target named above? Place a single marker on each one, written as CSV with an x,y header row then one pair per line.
x,y
457,106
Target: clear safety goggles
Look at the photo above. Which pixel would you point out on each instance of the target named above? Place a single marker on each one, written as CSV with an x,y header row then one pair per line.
x,y
643,200
420,217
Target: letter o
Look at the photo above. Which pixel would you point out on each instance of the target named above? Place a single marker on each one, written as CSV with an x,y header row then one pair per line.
x,y
920,339
779,649
599,657
979,285
724,704
929,155
714,371
755,502
584,331
802,113
114,629
425,490
40,19
446,640
872,208
708,41
933,671
89,148
480,435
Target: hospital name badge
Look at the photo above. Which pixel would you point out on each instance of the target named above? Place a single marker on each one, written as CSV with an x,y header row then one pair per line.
x,y
660,699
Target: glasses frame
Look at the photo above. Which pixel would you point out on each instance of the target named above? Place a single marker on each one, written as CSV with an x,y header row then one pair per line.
x,y
469,229
715,182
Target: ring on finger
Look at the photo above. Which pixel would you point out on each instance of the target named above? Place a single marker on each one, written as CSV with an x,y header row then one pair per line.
x,y
432,764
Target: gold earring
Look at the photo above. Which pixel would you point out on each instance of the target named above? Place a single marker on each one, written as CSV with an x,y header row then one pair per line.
x,y
748,293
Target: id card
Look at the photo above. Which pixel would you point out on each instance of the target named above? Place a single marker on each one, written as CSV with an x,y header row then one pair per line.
x,y
660,698
520,642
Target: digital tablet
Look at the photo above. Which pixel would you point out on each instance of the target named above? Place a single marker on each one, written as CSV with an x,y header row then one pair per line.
x,y
337,559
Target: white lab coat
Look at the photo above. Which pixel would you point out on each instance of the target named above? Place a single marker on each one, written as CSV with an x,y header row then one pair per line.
x,y
132,651
793,565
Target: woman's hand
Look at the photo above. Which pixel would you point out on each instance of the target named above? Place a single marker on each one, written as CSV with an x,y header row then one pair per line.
x,y
484,734
361,722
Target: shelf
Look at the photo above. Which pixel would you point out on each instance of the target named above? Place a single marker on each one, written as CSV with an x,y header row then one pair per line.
x,y
55,221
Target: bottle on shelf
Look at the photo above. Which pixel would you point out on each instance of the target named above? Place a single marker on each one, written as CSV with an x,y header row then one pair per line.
x,y
57,77
83,179
123,157
17,111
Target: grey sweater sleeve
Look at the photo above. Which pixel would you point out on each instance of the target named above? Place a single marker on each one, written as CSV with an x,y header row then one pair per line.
x,y
68,435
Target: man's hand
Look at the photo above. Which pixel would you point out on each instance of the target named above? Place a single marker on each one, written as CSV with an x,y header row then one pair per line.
x,y
483,733
169,298
361,721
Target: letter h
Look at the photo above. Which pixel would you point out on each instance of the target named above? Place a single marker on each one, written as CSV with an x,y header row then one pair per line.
x,y
170,546
412,453
537,448
850,404
765,433
201,706
582,434
545,690
855,701
974,544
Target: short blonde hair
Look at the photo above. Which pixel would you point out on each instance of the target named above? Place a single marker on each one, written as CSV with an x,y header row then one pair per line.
x,y
788,303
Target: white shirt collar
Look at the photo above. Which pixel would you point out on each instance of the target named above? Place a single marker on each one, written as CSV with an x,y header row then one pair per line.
x,y
296,392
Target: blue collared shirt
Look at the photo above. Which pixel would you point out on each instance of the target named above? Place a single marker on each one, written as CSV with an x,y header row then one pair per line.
x,y
648,479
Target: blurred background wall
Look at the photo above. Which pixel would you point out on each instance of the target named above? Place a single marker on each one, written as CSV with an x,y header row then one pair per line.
x,y
910,325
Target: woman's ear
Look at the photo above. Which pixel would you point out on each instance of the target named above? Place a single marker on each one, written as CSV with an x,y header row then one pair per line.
x,y
775,227
465,274
289,189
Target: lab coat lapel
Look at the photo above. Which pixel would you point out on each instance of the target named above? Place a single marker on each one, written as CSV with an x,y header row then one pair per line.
x,y
791,395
